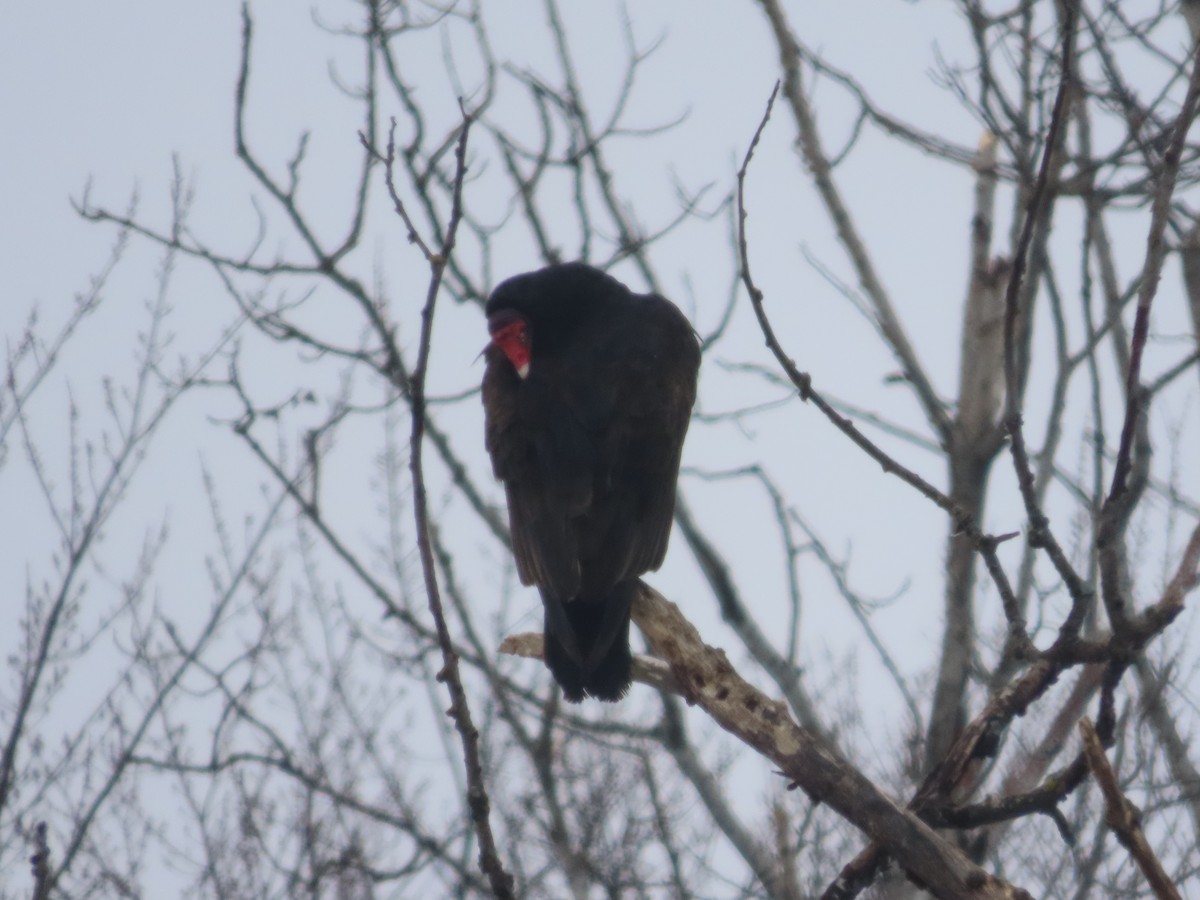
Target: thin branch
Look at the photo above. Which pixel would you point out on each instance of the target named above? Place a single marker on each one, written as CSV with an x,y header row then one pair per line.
x,y
477,796
1123,817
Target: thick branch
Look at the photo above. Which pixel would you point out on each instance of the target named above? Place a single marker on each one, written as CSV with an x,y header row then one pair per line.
x,y
708,680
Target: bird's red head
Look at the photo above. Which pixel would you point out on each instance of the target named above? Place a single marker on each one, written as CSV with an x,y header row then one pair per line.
x,y
510,332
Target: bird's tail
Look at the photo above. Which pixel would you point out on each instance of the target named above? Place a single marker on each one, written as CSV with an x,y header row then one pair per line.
x,y
587,644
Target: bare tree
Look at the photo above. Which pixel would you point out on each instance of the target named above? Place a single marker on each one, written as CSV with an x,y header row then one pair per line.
x,y
340,707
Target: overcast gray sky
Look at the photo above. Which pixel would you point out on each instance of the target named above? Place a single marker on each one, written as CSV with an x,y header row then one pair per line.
x,y
114,95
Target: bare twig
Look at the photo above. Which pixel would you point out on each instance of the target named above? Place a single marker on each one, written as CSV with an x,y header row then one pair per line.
x,y
389,165
477,795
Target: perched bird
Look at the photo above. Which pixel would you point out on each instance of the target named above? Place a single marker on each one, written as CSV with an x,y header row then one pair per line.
x,y
587,395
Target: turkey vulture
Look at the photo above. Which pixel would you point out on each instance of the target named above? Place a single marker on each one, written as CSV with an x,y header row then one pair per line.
x,y
587,395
